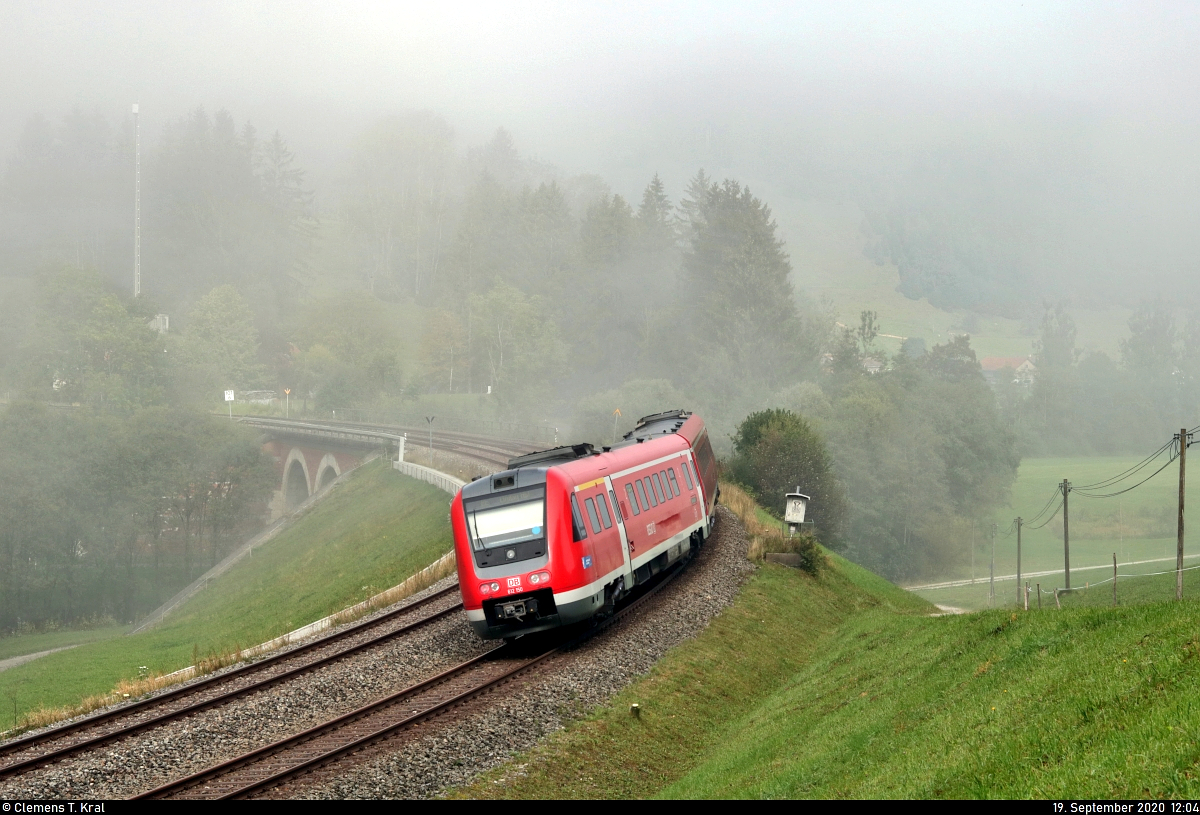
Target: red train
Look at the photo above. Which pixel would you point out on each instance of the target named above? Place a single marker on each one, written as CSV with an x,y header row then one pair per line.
x,y
562,534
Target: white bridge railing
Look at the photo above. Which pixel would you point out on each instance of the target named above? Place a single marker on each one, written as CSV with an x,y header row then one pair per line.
x,y
430,476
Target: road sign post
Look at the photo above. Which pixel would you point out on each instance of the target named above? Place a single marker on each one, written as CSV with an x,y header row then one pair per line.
x,y
229,399
287,396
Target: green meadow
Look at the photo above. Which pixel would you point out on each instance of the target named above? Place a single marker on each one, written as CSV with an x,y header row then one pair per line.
x,y
1137,526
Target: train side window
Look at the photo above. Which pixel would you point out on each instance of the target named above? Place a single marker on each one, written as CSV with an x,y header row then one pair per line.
x,y
674,481
577,521
641,491
658,490
687,476
616,506
666,485
591,513
632,499
602,505
650,491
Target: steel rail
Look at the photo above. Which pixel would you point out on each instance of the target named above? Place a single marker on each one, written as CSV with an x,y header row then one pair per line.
x,y
355,742
181,693
485,448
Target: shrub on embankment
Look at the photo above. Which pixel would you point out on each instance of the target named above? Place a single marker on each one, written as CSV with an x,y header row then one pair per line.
x,y
765,535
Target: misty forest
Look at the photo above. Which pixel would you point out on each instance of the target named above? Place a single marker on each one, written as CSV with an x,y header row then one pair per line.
x,y
430,274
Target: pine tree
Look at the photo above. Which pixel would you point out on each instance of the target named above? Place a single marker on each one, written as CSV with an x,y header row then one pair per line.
x,y
655,216
737,277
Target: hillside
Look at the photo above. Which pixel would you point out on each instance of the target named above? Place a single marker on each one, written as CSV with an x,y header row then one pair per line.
x,y
845,686
825,241
373,532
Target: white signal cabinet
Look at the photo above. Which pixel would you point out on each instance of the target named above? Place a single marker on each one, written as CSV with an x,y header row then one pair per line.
x,y
793,511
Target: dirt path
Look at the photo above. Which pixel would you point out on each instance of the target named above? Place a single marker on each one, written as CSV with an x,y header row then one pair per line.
x,y
13,662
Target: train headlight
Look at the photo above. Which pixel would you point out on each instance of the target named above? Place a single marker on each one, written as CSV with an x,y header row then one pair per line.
x,y
495,587
539,577
486,588
535,578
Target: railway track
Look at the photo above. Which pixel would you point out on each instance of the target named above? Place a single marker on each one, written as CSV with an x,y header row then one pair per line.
x,y
493,451
316,752
485,448
87,734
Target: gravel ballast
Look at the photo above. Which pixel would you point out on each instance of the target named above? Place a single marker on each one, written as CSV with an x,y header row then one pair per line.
x,y
514,719
152,758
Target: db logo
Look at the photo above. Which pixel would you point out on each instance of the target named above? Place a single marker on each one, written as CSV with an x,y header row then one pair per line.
x,y
649,529
514,582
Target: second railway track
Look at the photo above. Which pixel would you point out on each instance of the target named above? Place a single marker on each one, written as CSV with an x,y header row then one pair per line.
x,y
89,733
319,749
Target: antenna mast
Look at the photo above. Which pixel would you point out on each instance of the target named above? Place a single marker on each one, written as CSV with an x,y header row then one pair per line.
x,y
137,205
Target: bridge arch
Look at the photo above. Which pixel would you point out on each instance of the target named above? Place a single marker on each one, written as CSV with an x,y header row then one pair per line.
x,y
297,484
327,471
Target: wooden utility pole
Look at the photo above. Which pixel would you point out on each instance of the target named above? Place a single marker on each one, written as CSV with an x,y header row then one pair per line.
x,y
1020,521
1183,445
1066,490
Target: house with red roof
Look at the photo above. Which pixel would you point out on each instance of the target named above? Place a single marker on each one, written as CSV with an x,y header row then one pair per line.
x,y
997,370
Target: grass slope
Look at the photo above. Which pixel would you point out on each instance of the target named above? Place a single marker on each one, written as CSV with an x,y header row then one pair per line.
x,y
846,687
1081,703
826,240
688,700
371,533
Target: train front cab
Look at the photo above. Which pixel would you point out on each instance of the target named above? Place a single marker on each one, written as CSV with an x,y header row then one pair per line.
x,y
505,529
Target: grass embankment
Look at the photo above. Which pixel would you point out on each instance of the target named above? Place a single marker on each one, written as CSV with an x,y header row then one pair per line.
x,y
373,532
844,686
1137,526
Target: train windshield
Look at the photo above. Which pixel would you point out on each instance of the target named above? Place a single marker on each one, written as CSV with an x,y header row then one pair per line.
x,y
505,520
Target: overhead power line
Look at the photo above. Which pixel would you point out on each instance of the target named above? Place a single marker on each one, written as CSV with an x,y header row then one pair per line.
x,y
1108,482
1048,520
1168,463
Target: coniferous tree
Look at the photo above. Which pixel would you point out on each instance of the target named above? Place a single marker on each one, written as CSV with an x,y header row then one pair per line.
x,y
737,276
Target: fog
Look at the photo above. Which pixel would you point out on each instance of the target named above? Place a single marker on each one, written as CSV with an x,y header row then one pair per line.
x,y
550,218
1070,125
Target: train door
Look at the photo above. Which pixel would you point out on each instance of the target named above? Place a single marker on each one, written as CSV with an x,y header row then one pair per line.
x,y
691,469
612,492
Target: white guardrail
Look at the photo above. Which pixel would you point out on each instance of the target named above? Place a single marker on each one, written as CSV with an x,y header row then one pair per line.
x,y
447,483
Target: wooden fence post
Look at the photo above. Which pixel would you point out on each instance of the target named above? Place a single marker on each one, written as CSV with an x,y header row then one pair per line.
x,y
1057,604
1027,595
1039,591
1114,578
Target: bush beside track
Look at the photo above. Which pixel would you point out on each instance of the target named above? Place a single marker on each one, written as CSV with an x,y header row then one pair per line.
x,y
373,532
845,686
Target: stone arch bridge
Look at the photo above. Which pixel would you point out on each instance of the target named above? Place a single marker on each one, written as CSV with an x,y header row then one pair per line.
x,y
309,456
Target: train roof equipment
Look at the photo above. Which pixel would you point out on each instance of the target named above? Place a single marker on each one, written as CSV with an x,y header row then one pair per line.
x,y
555,455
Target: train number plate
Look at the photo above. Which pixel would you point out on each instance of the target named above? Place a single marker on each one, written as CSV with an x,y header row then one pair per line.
x,y
514,585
